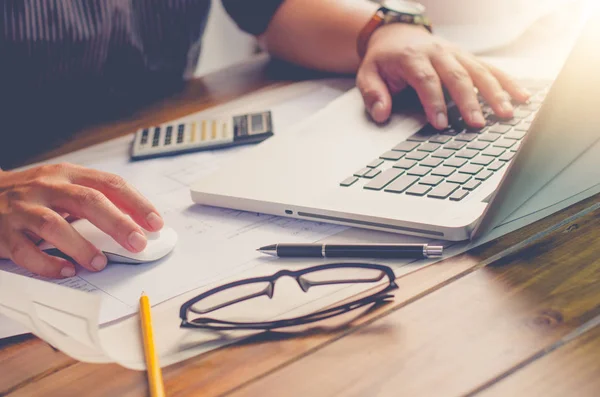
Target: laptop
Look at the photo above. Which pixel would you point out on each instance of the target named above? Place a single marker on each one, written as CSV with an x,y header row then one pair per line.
x,y
403,177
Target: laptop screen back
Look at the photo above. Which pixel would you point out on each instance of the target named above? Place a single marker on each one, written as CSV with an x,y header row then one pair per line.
x,y
566,126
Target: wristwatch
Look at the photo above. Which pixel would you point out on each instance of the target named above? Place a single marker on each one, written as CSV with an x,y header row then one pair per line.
x,y
393,11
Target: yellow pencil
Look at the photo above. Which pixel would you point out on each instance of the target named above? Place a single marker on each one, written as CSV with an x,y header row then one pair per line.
x,y
155,380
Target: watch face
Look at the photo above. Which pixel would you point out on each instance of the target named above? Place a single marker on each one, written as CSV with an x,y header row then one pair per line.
x,y
405,6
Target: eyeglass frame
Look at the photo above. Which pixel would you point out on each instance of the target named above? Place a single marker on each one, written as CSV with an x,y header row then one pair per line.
x,y
222,325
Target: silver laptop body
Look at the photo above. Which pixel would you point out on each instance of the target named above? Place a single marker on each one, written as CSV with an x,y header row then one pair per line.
x,y
328,168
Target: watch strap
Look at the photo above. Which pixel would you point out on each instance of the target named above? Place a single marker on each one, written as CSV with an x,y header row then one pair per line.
x,y
380,18
366,32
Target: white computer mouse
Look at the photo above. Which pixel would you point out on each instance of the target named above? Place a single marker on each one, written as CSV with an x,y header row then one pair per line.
x,y
159,245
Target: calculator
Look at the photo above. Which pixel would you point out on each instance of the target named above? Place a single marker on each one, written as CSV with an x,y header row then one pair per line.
x,y
200,134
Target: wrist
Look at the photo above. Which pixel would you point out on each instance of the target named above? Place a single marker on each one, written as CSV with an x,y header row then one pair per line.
x,y
403,12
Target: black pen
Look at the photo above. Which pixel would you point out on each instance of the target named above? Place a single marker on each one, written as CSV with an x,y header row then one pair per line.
x,y
381,251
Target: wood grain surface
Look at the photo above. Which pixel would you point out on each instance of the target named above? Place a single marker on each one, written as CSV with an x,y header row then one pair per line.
x,y
519,316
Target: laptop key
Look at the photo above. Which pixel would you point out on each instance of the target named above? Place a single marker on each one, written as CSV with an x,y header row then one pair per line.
x,y
470,169
372,174
452,131
484,175
499,129
431,180
496,165
416,155
375,163
405,146
459,195
349,181
401,184
419,171
467,153
443,153
478,145
516,147
440,138
466,136
472,185
384,179
455,162
458,178
392,155
512,122
482,160
431,162
443,191
516,135
418,190
507,156
489,137
444,171
505,143
522,113
524,126
493,151
362,171
423,134
429,147
405,164
455,145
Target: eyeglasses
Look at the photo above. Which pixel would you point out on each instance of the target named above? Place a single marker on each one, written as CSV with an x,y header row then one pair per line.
x,y
219,300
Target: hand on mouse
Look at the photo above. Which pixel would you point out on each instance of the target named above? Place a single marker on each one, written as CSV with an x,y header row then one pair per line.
x,y
33,205
399,55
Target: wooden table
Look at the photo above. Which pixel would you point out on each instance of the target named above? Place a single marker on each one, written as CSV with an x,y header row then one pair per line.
x,y
518,316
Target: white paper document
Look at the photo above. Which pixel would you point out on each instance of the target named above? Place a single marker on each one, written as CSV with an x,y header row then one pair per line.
x,y
213,242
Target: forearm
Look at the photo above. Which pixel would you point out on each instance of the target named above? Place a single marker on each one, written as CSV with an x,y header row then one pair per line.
x,y
319,34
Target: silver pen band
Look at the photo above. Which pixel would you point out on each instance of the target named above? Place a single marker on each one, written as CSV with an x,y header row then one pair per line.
x,y
323,253
433,251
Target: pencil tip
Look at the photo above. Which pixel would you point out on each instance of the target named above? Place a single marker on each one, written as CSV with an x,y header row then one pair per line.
x,y
143,293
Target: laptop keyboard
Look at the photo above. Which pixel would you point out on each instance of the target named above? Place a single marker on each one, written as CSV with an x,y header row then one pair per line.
x,y
453,163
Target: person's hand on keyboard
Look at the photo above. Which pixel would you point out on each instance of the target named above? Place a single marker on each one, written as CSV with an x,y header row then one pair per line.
x,y
401,55
34,203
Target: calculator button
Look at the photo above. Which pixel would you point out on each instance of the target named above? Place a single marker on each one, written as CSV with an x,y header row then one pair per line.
x,y
169,135
144,139
156,136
